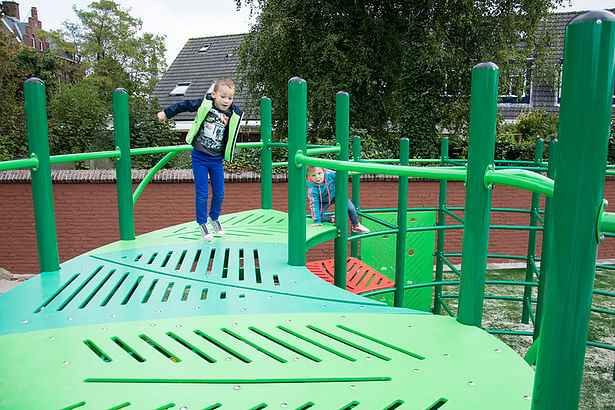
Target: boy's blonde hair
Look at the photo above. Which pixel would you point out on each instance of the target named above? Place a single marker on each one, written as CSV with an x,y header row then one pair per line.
x,y
224,81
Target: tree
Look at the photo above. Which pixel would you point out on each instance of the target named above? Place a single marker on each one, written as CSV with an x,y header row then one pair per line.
x,y
13,139
79,120
405,64
347,45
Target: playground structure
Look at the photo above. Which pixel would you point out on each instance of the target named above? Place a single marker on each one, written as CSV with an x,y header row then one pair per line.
x,y
164,320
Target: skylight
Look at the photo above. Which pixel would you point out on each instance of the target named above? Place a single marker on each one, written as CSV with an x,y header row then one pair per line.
x,y
204,48
180,88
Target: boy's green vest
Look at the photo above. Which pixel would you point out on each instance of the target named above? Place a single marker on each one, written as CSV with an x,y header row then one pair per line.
x,y
233,130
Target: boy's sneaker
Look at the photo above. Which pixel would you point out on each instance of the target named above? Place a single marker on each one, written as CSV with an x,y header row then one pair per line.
x,y
205,232
359,229
218,230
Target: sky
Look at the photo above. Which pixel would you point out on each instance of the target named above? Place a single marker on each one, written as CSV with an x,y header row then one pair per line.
x,y
181,20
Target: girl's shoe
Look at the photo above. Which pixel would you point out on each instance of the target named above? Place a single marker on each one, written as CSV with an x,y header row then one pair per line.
x,y
218,230
359,229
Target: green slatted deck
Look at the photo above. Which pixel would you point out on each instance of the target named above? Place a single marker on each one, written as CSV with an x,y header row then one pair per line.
x,y
170,321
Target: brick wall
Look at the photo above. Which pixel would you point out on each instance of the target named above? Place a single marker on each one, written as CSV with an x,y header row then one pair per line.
x,y
86,214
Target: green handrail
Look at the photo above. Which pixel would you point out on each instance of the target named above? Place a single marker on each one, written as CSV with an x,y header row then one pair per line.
x,y
519,178
58,159
151,175
31,162
449,173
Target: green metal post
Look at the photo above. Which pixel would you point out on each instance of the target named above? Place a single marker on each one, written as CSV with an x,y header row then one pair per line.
x,y
437,305
123,167
266,167
402,224
531,243
483,107
297,143
356,188
42,190
342,130
585,119
544,252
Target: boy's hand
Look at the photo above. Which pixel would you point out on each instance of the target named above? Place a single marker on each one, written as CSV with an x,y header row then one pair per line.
x,y
162,116
316,224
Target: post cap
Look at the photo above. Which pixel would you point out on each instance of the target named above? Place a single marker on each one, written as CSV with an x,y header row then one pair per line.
x,y
120,90
296,80
342,93
489,64
264,97
34,80
593,15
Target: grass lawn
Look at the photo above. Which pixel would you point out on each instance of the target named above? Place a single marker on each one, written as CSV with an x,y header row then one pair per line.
x,y
598,388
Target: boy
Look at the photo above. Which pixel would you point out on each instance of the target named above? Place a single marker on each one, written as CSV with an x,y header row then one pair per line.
x,y
321,194
213,135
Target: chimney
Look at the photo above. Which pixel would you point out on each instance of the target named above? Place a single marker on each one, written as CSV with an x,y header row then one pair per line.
x,y
11,9
34,13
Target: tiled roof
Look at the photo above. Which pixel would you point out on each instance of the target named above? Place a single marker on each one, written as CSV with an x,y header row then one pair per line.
x,y
15,26
201,69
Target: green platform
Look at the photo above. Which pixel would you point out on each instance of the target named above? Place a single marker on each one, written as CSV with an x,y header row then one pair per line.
x,y
170,321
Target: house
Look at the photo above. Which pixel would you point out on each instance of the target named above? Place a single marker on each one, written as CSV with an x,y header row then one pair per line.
x,y
197,66
22,32
539,95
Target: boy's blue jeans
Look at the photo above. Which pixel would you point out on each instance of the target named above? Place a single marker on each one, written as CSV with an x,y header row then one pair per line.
x,y
352,213
204,165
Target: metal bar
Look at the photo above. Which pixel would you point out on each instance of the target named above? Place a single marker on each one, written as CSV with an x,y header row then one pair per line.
x,y
318,151
42,189
520,178
441,221
451,173
297,140
585,119
123,168
483,107
342,130
402,224
356,189
266,160
59,159
31,162
150,175
531,242
160,150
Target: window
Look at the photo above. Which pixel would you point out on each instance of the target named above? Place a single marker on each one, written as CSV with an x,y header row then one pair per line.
x,y
204,48
33,42
518,88
40,45
180,88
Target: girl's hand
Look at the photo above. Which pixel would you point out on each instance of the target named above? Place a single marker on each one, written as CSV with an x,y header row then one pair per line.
x,y
162,116
316,224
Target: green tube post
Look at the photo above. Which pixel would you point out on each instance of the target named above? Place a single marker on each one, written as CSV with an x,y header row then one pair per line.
x,y
266,160
123,167
531,242
437,305
483,107
402,224
42,189
297,143
342,131
544,252
584,123
356,189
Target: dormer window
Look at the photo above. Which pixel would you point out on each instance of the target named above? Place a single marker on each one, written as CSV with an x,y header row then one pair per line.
x,y
204,48
180,88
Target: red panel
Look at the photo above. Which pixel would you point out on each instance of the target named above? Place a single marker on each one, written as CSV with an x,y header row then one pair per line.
x,y
360,277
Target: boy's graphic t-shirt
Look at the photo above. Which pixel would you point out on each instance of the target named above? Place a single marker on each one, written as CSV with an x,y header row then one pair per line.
x,y
210,138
